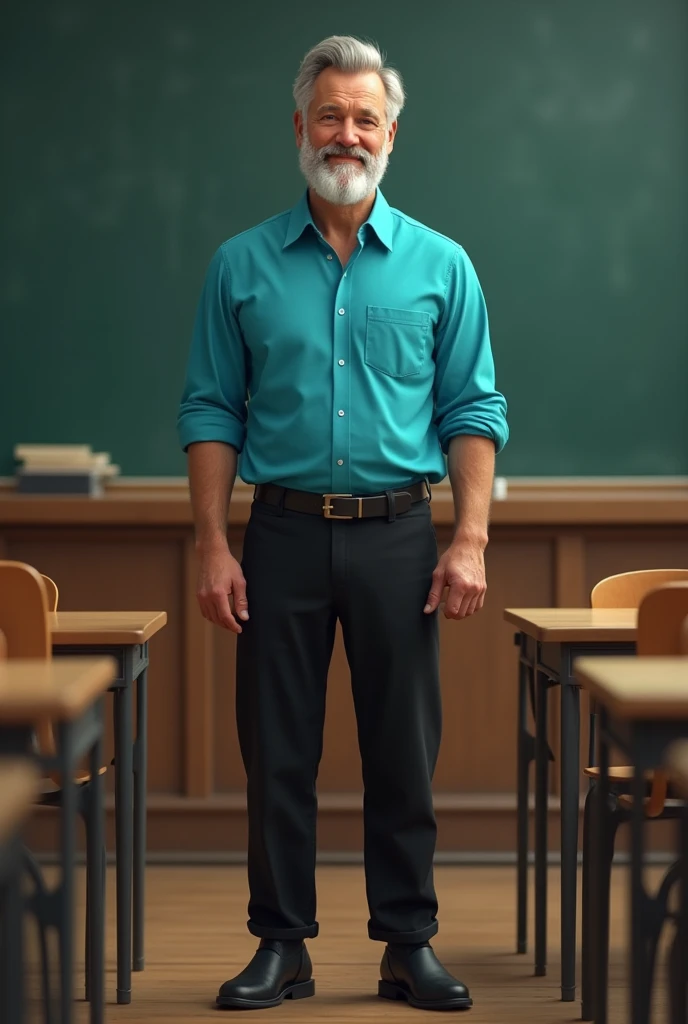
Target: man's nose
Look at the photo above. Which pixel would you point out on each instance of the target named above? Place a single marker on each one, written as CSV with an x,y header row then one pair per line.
x,y
347,134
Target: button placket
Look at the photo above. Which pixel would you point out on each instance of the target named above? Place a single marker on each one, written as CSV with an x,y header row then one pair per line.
x,y
341,387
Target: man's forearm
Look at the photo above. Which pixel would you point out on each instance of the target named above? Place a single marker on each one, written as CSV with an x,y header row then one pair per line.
x,y
212,471
471,462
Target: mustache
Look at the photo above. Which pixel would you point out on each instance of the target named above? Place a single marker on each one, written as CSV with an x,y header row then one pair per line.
x,y
336,150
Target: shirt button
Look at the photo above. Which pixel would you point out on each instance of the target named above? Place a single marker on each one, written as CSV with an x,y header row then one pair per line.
x,y
341,412
329,255
340,462
342,312
341,362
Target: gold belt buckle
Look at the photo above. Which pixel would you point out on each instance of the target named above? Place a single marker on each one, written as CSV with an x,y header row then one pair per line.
x,y
327,507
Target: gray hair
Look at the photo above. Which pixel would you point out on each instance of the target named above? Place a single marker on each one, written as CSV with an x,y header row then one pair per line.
x,y
349,54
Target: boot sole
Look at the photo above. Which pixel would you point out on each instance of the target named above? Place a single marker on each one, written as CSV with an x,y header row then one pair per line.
x,y
301,991
386,990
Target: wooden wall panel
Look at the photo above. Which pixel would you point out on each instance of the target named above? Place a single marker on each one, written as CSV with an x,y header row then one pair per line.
x,y
136,551
123,570
465,829
569,566
479,666
611,551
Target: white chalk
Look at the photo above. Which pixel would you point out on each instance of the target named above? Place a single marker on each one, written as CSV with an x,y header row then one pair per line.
x,y
500,488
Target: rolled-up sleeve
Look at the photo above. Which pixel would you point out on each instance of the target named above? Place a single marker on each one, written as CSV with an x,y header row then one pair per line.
x,y
466,401
213,405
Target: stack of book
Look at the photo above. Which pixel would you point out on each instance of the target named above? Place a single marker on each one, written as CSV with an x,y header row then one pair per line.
x,y
62,469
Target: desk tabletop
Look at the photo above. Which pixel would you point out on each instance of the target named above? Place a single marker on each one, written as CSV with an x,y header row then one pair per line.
x,y
18,788
677,763
59,689
91,628
576,625
648,688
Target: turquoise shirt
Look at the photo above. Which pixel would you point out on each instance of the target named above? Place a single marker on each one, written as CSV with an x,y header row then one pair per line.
x,y
330,379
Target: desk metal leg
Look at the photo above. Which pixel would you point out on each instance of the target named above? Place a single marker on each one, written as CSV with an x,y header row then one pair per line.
x,y
66,889
541,816
587,940
570,768
124,786
678,959
11,937
96,887
639,989
140,785
599,929
525,756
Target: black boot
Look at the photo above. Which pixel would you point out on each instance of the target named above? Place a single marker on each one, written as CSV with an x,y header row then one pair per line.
x,y
279,970
415,974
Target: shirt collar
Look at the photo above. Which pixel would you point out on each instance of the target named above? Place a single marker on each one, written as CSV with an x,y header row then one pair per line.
x,y
380,220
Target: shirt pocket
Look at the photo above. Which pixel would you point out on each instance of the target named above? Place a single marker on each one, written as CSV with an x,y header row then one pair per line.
x,y
396,340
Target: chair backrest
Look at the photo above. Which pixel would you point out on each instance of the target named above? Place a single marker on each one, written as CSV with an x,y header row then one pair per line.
x,y
3,646
627,589
24,611
662,630
662,621
51,592
24,624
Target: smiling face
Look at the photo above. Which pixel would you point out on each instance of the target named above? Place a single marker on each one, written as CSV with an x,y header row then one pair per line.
x,y
345,140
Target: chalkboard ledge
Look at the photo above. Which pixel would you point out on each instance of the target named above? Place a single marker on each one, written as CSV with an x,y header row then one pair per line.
x,y
530,501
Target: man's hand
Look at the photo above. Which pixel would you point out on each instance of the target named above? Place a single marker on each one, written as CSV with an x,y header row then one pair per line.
x,y
462,569
219,577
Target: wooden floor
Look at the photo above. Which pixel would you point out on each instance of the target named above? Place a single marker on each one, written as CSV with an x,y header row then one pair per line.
x,y
196,939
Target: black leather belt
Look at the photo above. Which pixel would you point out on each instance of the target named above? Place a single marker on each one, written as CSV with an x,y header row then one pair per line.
x,y
341,506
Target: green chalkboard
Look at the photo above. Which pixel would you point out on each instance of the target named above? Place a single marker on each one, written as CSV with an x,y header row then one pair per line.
x,y
549,138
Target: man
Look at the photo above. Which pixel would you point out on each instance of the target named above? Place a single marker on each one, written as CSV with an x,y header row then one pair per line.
x,y
341,348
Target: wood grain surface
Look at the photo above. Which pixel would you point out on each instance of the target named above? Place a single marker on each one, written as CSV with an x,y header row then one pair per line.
x,y
197,939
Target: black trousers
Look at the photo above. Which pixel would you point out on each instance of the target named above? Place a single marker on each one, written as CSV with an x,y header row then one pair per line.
x,y
304,572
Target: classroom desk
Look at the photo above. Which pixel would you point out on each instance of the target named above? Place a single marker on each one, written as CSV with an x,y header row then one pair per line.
x,y
549,640
18,787
677,766
123,636
69,693
642,709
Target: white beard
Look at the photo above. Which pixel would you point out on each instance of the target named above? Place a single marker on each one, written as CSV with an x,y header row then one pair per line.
x,y
342,184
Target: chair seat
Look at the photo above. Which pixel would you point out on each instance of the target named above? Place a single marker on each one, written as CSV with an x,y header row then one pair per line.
x,y
670,804
617,773
49,785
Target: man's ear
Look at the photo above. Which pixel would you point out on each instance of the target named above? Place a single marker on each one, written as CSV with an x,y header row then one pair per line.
x,y
391,135
298,127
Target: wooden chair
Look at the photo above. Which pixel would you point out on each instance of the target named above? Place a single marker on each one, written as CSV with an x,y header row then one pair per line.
x,y
627,589
662,618
24,611
51,593
26,599
662,630
659,632
24,623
